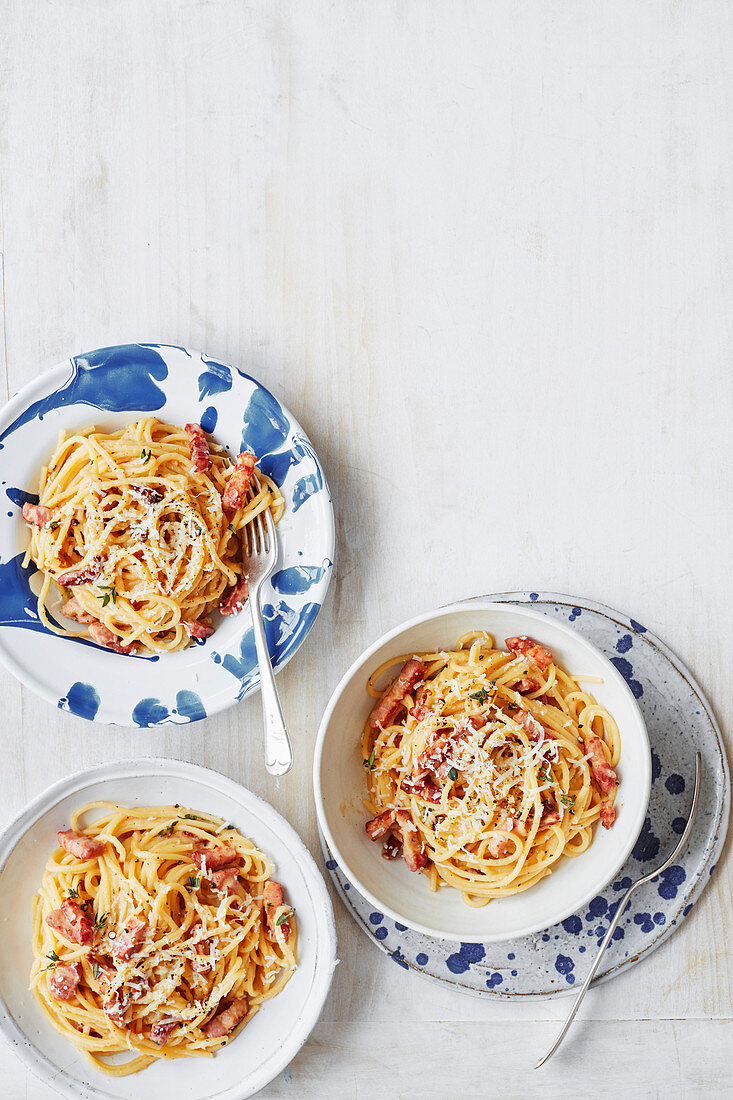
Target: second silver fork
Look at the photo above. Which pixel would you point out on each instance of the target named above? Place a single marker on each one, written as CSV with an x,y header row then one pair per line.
x,y
260,548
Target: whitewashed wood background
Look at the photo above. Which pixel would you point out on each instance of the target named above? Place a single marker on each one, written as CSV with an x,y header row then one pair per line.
x,y
483,250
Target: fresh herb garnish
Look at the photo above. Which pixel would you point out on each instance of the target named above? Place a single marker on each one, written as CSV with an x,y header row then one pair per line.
x,y
545,775
194,882
191,817
74,892
145,454
168,830
283,917
53,524
481,695
110,593
231,529
96,971
54,959
370,762
453,775
567,800
99,922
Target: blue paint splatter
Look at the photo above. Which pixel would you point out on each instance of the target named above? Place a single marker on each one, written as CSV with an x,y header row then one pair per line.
x,y
265,427
514,973
493,980
618,934
637,626
421,958
18,605
627,671
565,966
511,956
19,497
189,704
656,767
622,883
572,925
598,906
474,952
624,644
659,918
678,825
331,864
399,958
116,379
150,712
81,700
675,784
647,844
534,596
381,933
644,921
376,918
575,614
400,927
284,628
209,418
217,378
298,578
672,879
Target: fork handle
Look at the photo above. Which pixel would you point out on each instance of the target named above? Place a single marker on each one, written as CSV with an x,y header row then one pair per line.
x,y
278,751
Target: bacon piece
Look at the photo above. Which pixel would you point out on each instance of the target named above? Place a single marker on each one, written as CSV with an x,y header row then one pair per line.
x,y
203,962
198,445
102,634
161,1029
608,814
535,730
603,773
225,881
526,685
501,846
73,610
411,672
272,900
64,981
419,712
127,942
70,923
391,848
238,481
212,859
550,816
83,847
198,628
414,851
422,785
105,975
81,574
227,1019
437,756
36,514
115,1007
379,825
234,598
146,493
535,653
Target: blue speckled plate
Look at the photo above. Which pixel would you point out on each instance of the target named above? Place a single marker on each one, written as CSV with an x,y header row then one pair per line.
x,y
679,720
110,388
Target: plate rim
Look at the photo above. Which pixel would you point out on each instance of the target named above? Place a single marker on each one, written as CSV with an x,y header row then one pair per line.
x,y
326,944
488,604
222,700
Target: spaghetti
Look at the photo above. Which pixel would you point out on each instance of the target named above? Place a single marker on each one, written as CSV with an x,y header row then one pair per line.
x,y
486,766
142,530
157,931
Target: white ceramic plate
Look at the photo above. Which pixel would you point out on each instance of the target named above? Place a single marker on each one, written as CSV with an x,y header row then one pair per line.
x,y
273,1036
110,388
338,778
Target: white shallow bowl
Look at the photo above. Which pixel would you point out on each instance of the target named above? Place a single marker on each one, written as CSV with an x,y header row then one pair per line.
x,y
271,1039
110,388
339,784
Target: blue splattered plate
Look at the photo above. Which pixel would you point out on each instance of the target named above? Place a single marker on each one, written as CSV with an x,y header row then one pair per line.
x,y
110,388
679,720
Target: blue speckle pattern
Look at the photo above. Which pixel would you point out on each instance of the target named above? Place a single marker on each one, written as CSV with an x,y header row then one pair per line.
x,y
177,385
552,962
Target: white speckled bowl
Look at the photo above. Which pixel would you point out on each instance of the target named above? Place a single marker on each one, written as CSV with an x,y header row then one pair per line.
x,y
338,779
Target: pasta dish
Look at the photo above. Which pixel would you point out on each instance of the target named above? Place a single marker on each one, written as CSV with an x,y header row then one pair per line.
x,y
142,531
485,766
158,933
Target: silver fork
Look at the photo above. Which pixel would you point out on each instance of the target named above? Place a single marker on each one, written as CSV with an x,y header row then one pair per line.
x,y
261,552
622,905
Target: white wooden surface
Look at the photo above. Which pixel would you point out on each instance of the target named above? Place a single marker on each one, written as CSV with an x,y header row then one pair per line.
x,y
484,251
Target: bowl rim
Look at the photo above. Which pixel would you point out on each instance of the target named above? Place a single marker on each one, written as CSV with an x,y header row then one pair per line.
x,y
226,696
478,605
39,1063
